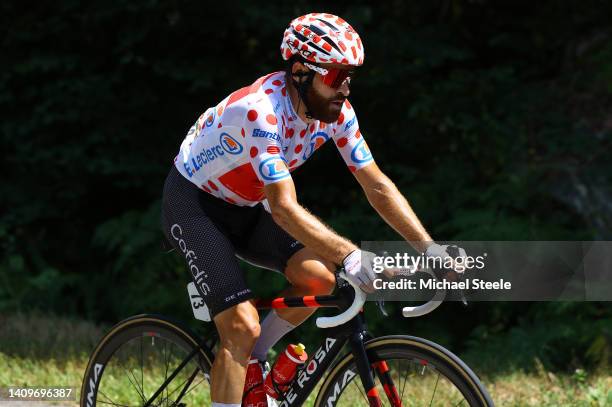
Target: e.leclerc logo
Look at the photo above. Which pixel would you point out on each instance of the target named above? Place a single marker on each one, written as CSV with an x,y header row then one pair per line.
x,y
361,152
316,141
229,144
273,168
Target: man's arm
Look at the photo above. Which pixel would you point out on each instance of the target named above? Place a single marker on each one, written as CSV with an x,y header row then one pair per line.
x,y
302,225
392,206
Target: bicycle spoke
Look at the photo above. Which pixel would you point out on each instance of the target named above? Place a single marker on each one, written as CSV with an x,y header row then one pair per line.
x,y
131,375
165,348
435,388
354,382
109,400
460,402
185,385
133,383
142,370
405,380
193,387
112,404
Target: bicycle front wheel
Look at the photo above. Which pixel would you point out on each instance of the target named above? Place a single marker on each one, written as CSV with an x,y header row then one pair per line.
x,y
409,371
148,360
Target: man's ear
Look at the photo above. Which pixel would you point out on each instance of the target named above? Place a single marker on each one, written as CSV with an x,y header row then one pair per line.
x,y
299,70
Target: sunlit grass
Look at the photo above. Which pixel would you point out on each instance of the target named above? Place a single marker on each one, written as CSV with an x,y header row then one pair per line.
x,y
40,351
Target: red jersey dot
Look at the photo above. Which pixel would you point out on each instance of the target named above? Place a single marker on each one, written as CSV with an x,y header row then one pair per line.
x,y
253,151
242,132
205,188
348,104
284,91
292,163
271,119
342,142
303,133
352,168
298,148
230,200
277,82
312,127
358,134
341,118
213,186
220,111
252,115
290,133
219,125
268,91
273,149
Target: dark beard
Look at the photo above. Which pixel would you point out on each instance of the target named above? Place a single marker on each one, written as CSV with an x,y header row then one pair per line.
x,y
320,108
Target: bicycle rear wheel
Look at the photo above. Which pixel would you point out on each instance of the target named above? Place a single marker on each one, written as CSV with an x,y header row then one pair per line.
x,y
410,372
132,362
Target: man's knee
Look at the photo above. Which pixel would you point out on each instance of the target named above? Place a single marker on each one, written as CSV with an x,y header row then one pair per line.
x,y
238,328
312,273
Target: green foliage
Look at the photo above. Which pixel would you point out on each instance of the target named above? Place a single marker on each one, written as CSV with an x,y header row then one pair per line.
x,y
492,118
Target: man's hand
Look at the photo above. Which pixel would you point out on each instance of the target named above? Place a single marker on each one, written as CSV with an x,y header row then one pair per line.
x,y
450,254
358,268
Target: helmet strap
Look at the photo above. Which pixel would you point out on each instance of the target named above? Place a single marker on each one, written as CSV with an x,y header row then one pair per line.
x,y
302,88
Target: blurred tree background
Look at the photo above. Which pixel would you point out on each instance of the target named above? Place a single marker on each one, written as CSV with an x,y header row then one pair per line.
x,y
493,117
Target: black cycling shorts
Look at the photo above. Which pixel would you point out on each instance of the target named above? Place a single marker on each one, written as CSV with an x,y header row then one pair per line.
x,y
209,233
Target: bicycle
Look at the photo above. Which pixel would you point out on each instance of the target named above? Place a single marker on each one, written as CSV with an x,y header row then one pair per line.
x,y
384,365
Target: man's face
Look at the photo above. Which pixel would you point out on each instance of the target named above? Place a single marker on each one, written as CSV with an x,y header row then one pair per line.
x,y
326,102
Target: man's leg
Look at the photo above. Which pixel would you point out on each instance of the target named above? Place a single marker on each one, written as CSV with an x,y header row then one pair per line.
x,y
238,329
309,275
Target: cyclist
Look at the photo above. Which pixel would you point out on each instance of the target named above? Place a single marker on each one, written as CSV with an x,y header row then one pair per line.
x,y
230,194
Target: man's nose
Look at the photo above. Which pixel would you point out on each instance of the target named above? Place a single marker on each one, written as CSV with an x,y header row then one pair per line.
x,y
344,89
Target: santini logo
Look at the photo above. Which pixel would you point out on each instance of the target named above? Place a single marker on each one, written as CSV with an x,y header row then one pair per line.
x,y
266,134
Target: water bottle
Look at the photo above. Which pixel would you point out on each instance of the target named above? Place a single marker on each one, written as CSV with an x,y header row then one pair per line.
x,y
254,394
284,370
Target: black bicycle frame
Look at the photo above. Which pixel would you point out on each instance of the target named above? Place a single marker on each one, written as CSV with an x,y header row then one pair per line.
x,y
353,332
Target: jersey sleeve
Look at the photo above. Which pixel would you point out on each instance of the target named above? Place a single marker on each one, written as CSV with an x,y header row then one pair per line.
x,y
349,141
263,141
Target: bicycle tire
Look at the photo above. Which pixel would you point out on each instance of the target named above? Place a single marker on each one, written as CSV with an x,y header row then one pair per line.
x,y
148,326
400,347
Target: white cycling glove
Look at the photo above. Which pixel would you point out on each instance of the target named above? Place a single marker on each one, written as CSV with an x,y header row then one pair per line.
x,y
446,252
358,269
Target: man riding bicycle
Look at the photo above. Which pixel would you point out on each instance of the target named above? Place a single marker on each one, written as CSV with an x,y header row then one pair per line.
x,y
230,194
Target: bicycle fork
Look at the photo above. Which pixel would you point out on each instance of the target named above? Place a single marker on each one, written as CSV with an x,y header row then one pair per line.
x,y
366,374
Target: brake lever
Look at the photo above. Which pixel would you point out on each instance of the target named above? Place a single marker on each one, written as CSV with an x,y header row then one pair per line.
x,y
461,293
381,307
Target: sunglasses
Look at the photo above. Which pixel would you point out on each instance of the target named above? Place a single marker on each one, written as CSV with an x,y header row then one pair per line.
x,y
332,77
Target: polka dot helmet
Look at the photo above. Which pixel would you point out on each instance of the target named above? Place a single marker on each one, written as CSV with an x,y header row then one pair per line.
x,y
322,38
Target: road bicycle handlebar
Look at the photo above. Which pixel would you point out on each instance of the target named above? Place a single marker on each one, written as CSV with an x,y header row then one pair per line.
x,y
352,310
360,299
423,309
